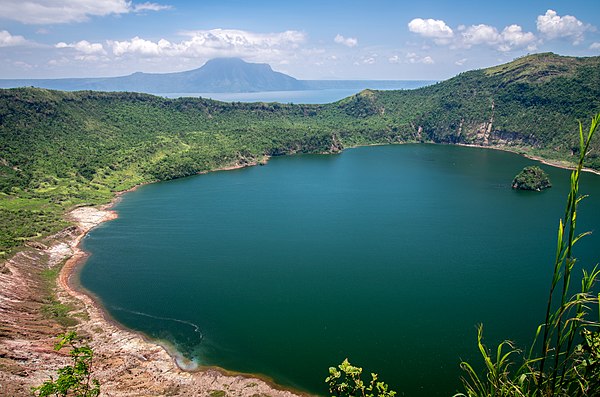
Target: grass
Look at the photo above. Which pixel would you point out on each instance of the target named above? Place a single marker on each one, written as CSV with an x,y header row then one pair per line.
x,y
52,308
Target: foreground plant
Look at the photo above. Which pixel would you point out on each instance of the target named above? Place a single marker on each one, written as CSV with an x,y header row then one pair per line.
x,y
556,365
345,380
75,379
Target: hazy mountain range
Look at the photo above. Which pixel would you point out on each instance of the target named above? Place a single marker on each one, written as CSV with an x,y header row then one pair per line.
x,y
217,75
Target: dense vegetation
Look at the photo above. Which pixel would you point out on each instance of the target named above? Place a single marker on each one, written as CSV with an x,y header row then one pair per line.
x,y
531,178
59,149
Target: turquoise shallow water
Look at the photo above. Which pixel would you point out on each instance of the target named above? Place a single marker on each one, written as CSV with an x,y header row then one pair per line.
x,y
388,255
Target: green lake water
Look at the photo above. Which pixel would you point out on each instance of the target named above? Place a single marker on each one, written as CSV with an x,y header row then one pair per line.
x,y
387,255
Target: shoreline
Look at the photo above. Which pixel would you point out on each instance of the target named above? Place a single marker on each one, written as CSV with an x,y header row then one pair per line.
x,y
88,218
553,163
78,259
126,351
68,273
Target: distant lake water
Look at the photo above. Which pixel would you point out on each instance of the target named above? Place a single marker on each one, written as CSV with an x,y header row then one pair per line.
x,y
388,255
303,97
316,96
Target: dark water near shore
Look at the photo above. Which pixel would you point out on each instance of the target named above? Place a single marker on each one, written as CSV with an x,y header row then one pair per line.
x,y
387,255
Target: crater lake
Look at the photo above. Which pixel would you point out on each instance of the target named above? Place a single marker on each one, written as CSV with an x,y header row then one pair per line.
x,y
387,255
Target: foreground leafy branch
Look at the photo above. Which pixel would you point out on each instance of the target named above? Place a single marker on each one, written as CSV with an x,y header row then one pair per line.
x,y
75,379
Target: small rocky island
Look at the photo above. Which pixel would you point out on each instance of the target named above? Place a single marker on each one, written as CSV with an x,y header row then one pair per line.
x,y
531,178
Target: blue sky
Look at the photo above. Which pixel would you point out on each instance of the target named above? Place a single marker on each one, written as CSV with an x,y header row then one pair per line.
x,y
376,39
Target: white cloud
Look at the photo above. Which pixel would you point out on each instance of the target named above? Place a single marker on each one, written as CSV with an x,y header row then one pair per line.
x,y
87,58
412,57
64,11
84,46
347,41
460,62
150,7
432,28
510,38
140,47
8,40
369,60
553,26
513,36
595,46
480,34
212,43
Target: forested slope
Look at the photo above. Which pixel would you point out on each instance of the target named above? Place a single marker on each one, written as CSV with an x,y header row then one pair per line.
x,y
61,149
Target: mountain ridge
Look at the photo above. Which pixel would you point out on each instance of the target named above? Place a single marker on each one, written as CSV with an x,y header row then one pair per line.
x,y
218,75
62,149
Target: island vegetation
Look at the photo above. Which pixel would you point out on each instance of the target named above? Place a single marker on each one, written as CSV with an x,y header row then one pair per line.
x,y
531,178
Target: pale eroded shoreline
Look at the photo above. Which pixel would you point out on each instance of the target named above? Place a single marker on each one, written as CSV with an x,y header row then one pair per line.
x,y
165,365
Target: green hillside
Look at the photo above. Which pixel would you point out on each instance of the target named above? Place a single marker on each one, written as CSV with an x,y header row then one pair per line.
x,y
62,149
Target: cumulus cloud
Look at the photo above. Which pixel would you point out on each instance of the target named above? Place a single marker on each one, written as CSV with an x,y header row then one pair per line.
x,y
595,46
211,43
347,41
8,40
553,26
64,11
140,47
511,37
84,46
460,62
432,28
480,34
